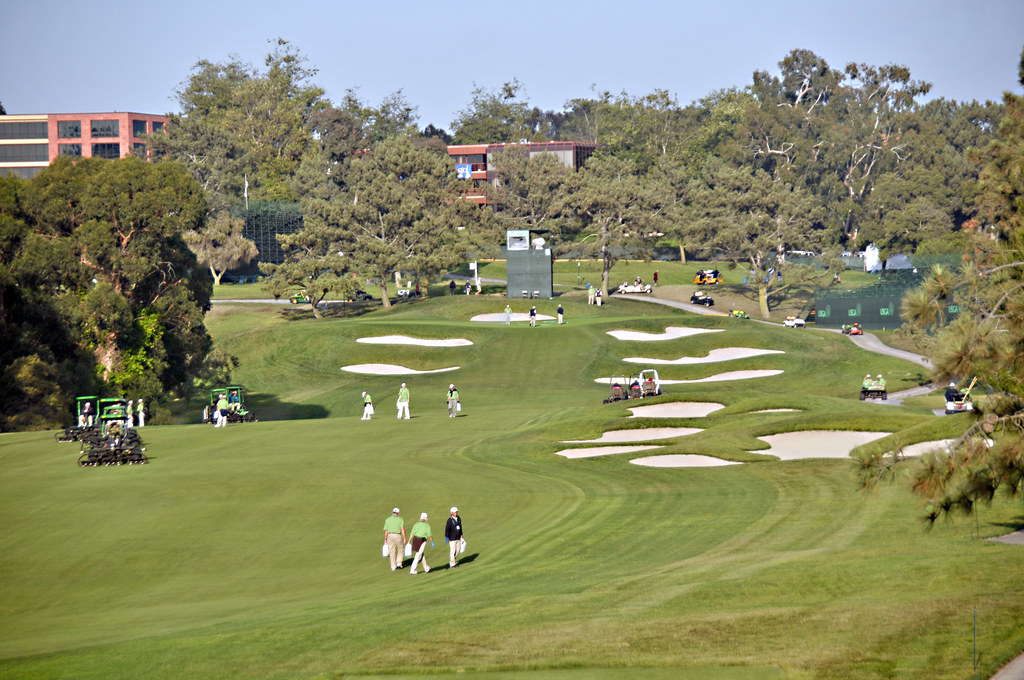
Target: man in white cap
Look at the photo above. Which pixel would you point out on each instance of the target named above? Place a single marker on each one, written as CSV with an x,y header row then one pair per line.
x,y
403,402
453,534
453,401
394,536
367,406
421,533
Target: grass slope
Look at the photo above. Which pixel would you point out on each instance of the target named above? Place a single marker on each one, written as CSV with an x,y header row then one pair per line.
x,y
253,552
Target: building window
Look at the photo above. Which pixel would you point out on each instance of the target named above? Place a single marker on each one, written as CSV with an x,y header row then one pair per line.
x,y
23,153
138,128
69,149
105,128
24,173
157,126
106,150
23,131
69,129
139,149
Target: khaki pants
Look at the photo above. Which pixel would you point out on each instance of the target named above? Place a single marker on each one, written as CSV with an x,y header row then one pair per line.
x,y
420,557
453,552
395,547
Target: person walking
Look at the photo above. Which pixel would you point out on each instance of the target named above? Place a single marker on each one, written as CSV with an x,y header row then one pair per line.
x,y
560,313
140,413
655,278
129,415
403,402
597,297
421,533
508,315
394,536
453,534
451,287
222,411
367,406
533,316
453,401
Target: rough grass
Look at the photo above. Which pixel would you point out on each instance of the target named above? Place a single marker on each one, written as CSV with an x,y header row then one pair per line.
x,y
253,552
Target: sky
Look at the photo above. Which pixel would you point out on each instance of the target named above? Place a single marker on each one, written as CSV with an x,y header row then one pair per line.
x,y
82,56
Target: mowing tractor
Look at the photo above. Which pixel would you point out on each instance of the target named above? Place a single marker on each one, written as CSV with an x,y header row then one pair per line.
x,y
236,411
110,441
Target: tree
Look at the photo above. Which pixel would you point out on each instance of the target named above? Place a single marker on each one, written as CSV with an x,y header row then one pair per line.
x,y
220,246
101,286
986,341
531,191
614,206
501,115
753,220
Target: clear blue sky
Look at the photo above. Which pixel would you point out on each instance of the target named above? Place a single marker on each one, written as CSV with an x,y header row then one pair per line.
x,y
82,56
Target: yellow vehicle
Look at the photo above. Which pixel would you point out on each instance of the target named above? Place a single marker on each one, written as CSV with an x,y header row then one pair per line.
x,y
707,277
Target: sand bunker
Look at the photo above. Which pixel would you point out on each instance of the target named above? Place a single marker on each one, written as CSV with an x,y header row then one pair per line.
x,y
681,460
639,435
718,377
391,369
676,409
671,333
722,354
921,448
602,451
817,443
777,410
422,342
515,316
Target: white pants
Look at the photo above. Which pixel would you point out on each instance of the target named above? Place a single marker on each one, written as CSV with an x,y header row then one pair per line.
x,y
367,411
403,406
142,418
222,418
420,556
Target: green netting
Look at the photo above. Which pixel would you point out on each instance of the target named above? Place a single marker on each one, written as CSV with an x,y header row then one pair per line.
x,y
264,220
874,307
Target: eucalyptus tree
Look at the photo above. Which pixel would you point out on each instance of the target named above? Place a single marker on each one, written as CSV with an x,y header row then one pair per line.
x,y
500,115
221,245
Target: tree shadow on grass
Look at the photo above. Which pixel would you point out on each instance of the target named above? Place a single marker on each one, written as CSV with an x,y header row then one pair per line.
x,y
267,407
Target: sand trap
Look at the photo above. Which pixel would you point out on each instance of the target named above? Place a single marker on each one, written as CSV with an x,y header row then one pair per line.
x,y
681,460
671,333
777,410
676,409
718,377
722,354
602,451
921,448
817,443
391,369
422,342
515,316
639,435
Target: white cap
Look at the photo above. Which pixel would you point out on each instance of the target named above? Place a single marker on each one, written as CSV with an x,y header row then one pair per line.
x,y
403,384
452,386
394,511
455,509
423,515
364,394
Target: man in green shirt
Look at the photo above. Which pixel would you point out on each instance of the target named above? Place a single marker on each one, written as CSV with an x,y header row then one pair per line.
x,y
403,402
421,533
222,411
367,406
394,536
453,401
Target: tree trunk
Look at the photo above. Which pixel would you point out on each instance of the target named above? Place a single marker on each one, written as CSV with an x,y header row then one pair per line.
x,y
682,253
606,271
425,287
216,276
762,298
384,295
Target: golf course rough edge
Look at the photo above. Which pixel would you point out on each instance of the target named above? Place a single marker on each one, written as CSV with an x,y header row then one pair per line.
x,y
643,434
421,342
515,316
391,369
676,409
591,452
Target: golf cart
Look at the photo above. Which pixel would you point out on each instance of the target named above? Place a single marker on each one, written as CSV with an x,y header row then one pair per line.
x,y
619,388
707,277
237,412
959,400
300,298
633,288
793,322
650,383
852,329
738,314
873,388
701,298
